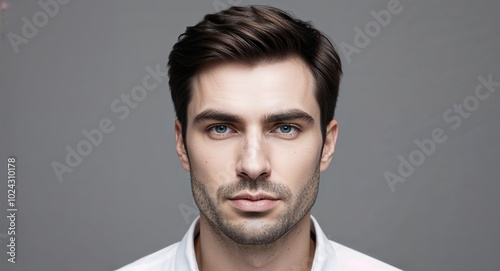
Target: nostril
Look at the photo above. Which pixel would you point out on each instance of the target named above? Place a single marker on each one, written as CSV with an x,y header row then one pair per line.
x,y
254,170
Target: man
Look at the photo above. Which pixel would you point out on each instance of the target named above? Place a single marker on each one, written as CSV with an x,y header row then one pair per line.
x,y
255,91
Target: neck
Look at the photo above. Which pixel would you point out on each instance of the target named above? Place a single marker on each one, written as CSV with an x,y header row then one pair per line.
x,y
293,251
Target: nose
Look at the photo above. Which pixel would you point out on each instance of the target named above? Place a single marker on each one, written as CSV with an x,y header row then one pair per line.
x,y
253,160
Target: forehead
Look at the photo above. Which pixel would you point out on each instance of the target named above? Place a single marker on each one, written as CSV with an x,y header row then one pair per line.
x,y
254,91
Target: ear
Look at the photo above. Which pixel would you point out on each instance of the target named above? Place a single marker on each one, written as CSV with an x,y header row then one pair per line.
x,y
329,145
180,147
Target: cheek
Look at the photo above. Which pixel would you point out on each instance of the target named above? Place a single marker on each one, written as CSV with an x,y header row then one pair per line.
x,y
212,163
294,166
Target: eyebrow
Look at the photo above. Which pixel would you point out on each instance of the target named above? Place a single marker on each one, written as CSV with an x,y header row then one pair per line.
x,y
286,115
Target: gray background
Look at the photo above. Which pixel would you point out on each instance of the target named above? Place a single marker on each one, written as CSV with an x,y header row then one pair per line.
x,y
124,200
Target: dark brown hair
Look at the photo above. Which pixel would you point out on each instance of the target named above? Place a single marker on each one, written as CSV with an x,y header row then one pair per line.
x,y
252,35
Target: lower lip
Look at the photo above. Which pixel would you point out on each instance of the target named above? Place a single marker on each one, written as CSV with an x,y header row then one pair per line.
x,y
253,205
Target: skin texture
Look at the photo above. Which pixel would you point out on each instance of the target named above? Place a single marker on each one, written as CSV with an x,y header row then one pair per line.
x,y
255,130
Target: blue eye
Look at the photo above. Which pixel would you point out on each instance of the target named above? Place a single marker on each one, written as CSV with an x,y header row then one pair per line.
x,y
286,129
220,129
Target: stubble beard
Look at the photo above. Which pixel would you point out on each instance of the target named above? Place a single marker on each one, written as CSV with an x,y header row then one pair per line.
x,y
296,208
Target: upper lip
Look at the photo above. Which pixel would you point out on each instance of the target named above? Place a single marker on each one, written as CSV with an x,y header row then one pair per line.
x,y
258,196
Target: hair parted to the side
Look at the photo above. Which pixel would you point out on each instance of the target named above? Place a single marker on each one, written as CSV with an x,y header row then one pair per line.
x,y
252,35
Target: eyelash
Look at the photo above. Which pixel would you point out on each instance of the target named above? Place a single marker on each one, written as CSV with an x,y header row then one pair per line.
x,y
295,127
211,128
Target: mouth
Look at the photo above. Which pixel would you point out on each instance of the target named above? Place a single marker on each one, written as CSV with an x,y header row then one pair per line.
x,y
260,202
253,197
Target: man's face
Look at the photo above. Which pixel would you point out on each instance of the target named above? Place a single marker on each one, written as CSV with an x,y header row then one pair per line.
x,y
254,148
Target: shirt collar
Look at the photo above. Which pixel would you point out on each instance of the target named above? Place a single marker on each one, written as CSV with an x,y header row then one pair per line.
x,y
325,258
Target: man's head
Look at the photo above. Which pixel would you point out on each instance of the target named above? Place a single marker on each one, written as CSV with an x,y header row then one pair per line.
x,y
254,92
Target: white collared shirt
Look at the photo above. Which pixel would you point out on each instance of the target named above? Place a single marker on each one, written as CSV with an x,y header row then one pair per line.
x,y
329,256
